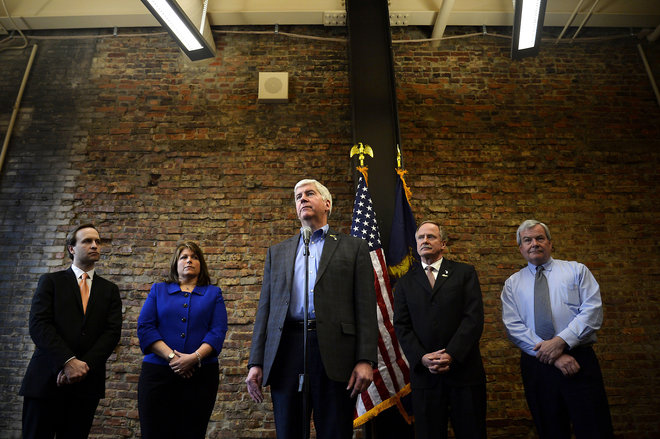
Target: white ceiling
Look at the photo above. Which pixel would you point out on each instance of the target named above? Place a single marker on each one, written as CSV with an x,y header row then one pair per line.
x,y
77,14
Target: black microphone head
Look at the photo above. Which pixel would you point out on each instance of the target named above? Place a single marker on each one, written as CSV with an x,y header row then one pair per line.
x,y
306,233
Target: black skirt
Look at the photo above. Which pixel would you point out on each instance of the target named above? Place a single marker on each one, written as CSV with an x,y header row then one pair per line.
x,y
174,407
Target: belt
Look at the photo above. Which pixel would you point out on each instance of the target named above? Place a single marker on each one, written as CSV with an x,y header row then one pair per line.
x,y
300,324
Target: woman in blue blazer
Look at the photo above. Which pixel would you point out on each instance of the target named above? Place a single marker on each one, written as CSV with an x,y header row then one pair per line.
x,y
181,328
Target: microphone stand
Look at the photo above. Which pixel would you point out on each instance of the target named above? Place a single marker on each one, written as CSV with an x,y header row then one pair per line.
x,y
303,379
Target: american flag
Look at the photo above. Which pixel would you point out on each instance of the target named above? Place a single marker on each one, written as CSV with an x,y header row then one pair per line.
x,y
392,378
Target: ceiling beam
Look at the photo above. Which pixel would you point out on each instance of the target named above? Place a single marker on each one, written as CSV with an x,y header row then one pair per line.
x,y
77,14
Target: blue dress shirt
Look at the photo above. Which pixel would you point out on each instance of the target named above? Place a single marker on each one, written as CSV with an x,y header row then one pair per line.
x,y
297,304
182,320
577,311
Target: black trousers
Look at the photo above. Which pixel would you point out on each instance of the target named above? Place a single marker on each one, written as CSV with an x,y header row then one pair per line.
x,y
175,407
465,406
557,401
331,404
69,416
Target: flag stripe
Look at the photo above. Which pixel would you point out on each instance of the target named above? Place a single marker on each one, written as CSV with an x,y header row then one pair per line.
x,y
387,301
386,344
392,376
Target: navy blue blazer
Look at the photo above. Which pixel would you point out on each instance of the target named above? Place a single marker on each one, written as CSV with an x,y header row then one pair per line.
x,y
60,330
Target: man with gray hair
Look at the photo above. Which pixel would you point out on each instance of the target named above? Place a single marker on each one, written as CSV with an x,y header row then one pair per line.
x,y
341,323
438,319
551,310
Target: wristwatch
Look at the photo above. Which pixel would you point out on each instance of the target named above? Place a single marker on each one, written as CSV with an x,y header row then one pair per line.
x,y
170,356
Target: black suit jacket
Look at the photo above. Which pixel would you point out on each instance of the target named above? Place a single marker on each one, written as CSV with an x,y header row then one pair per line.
x,y
344,301
450,316
60,330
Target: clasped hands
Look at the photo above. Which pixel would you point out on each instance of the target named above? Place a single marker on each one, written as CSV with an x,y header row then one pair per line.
x,y
552,352
73,372
183,364
437,362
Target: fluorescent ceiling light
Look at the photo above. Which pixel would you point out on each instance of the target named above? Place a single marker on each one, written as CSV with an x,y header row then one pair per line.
x,y
527,27
196,44
175,23
528,24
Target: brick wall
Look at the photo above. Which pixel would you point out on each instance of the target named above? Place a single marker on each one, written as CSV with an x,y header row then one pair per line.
x,y
124,132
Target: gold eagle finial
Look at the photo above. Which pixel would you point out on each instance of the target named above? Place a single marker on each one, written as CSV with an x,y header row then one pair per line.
x,y
361,150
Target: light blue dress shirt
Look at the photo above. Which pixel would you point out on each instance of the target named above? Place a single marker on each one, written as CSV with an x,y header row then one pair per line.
x,y
297,304
577,311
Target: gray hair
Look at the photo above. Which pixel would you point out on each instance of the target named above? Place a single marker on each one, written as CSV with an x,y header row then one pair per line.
x,y
528,224
443,234
325,193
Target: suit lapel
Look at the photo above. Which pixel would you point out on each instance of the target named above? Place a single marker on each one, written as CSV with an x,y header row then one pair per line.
x,y
290,248
444,274
94,294
74,288
329,246
422,280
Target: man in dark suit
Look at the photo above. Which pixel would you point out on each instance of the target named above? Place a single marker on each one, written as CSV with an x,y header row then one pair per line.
x,y
343,333
75,323
438,319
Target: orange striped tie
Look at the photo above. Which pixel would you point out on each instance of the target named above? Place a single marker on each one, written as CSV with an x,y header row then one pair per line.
x,y
84,291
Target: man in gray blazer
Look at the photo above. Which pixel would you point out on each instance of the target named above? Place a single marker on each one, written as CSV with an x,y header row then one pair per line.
x,y
343,333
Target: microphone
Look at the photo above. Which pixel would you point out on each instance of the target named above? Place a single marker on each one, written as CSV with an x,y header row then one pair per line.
x,y
306,234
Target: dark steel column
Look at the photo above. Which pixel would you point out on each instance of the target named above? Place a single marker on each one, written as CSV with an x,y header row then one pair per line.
x,y
373,89
376,123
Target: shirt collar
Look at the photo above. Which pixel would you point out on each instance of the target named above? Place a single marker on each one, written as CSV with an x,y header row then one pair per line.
x,y
78,272
435,265
547,266
318,234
